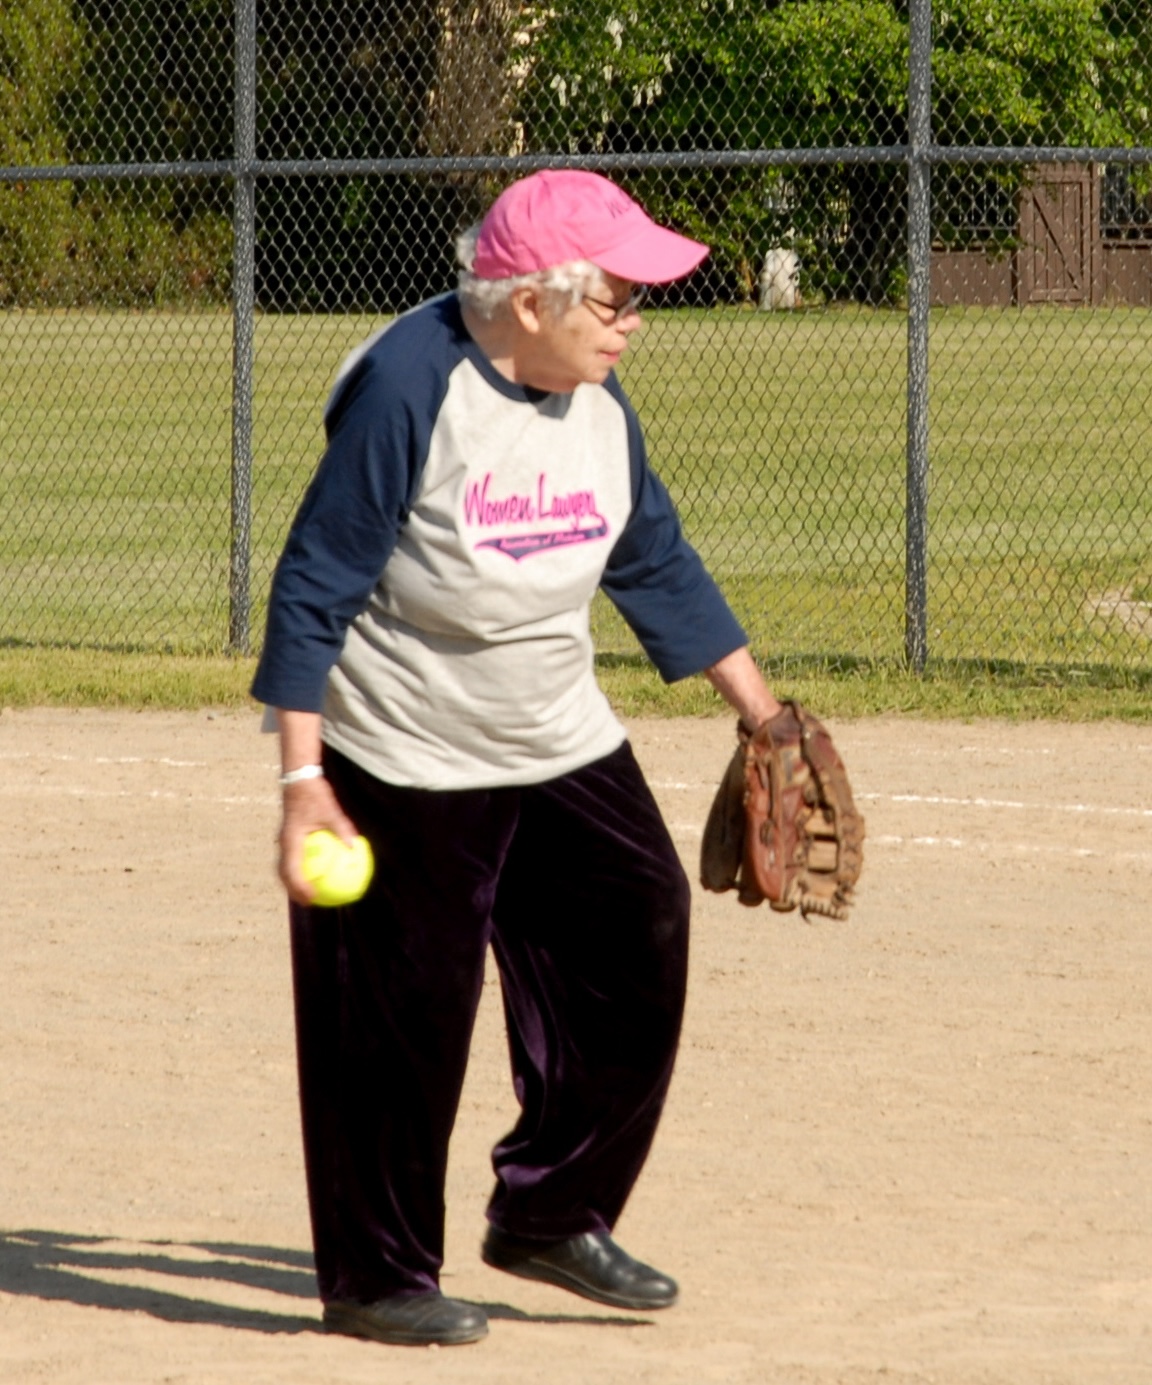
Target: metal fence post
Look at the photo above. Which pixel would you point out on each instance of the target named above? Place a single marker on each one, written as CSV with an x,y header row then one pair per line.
x,y
919,274
243,329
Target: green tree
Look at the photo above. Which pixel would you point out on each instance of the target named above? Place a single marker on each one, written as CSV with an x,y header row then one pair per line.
x,y
40,58
341,79
668,75
79,83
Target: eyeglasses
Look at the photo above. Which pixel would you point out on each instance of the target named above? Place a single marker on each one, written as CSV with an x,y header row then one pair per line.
x,y
616,311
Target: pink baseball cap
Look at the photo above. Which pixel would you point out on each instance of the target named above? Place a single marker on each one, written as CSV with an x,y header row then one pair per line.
x,y
564,214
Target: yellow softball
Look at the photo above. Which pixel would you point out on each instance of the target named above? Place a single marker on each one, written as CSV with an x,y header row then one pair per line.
x,y
339,874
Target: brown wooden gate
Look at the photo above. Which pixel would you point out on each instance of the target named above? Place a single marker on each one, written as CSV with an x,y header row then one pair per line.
x,y
1060,256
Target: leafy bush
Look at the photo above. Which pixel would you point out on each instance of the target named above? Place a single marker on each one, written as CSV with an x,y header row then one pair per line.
x,y
67,244
679,75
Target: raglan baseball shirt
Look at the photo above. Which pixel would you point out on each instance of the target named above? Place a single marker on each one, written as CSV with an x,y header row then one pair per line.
x,y
432,599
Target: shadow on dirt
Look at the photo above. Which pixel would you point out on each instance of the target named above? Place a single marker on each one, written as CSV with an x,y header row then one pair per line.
x,y
67,1267
71,1268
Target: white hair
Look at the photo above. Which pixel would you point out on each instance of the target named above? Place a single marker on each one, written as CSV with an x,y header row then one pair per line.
x,y
562,285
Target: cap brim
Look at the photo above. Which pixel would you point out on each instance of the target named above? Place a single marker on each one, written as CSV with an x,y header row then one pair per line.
x,y
656,256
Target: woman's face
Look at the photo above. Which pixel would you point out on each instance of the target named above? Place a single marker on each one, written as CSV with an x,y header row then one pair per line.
x,y
583,343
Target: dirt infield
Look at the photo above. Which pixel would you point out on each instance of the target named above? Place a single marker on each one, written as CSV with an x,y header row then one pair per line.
x,y
913,1148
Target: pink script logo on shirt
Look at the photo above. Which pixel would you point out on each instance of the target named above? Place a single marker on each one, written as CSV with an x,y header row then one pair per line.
x,y
567,518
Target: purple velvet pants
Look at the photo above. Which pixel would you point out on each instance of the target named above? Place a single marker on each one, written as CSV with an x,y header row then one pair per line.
x,y
576,885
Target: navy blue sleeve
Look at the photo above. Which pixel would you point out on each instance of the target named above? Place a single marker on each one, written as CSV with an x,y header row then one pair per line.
x,y
659,584
344,531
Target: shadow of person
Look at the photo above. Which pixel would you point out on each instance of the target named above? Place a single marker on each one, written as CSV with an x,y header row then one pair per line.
x,y
68,1267
591,1318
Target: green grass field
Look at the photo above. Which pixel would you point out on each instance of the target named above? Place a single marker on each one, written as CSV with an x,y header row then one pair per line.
x,y
780,435
783,438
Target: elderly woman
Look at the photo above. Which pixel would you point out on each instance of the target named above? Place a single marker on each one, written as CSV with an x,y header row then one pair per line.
x,y
429,661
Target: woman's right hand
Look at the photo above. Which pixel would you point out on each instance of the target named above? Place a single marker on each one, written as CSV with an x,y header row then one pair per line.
x,y
309,806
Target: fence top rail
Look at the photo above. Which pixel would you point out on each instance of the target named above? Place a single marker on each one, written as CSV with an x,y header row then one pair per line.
x,y
703,158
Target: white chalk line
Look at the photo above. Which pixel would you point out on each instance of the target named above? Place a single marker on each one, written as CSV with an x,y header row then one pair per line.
x,y
1002,848
79,791
690,830
944,800
1015,848
104,759
947,801
168,795
933,800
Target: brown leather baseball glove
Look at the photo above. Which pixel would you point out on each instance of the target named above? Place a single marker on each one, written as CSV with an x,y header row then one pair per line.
x,y
783,825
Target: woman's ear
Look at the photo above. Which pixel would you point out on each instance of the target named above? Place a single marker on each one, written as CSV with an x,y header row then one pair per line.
x,y
527,308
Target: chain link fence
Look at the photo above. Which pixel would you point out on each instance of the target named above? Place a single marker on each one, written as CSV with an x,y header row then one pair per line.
x,y
903,407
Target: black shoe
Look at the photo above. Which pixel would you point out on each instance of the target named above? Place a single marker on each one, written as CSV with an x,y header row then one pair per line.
x,y
409,1320
591,1265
